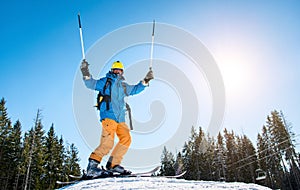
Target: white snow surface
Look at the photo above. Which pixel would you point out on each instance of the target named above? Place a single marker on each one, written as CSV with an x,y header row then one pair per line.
x,y
159,183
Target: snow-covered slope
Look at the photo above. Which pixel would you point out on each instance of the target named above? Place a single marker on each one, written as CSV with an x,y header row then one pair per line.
x,y
158,183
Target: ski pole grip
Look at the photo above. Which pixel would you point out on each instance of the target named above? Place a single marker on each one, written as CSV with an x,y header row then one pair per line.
x,y
79,22
153,27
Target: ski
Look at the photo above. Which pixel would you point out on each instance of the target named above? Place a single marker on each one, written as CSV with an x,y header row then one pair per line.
x,y
175,176
66,182
75,176
144,174
83,177
163,176
134,174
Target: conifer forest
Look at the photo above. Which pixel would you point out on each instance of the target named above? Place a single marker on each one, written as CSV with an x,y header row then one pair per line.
x,y
272,161
36,159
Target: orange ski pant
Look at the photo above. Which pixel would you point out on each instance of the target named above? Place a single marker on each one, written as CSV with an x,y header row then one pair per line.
x,y
109,129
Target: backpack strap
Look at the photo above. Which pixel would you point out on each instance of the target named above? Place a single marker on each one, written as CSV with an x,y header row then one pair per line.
x,y
107,98
101,97
107,83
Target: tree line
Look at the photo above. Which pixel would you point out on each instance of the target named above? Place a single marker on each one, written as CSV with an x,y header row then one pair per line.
x,y
273,162
36,159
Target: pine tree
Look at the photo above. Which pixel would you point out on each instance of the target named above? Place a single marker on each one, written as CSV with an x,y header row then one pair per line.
x,y
274,145
71,164
14,156
34,152
63,162
231,156
279,141
287,150
5,133
191,162
247,161
179,164
5,125
220,159
201,155
198,156
53,160
208,162
167,163
265,151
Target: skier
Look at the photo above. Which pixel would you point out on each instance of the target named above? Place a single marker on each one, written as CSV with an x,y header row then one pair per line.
x,y
112,91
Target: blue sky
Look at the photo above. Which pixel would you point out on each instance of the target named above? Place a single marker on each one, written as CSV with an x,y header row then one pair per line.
x,y
255,44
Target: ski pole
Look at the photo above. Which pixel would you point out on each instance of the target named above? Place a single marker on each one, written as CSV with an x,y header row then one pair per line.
x,y
129,115
152,43
81,38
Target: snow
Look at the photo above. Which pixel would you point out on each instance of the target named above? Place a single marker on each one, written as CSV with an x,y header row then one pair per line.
x,y
159,183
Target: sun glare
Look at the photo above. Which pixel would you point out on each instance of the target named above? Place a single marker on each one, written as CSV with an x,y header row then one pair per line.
x,y
235,70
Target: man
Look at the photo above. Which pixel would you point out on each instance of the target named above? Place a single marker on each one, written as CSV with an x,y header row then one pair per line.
x,y
112,91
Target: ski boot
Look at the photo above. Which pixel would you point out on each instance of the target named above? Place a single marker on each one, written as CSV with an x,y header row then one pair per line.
x,y
119,169
94,172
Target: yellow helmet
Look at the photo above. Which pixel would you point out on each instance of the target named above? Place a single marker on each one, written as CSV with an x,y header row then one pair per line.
x,y
117,65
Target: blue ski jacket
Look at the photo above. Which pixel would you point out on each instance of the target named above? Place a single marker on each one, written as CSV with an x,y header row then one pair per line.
x,y
118,91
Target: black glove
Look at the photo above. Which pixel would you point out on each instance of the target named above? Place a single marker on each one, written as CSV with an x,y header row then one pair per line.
x,y
148,77
85,68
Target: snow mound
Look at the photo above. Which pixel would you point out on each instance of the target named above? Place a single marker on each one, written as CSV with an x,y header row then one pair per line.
x,y
158,183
